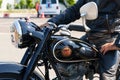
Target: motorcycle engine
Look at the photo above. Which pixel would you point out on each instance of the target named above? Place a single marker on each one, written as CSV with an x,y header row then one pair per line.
x,y
74,71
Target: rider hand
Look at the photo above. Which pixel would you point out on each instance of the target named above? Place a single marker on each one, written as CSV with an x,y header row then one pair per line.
x,y
107,47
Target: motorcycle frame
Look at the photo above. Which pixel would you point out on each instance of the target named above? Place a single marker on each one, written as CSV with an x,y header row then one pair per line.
x,y
30,59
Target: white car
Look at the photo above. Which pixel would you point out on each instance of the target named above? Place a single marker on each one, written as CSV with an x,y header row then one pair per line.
x,y
49,7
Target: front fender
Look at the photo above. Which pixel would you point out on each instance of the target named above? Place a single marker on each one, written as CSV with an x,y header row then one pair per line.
x,y
11,68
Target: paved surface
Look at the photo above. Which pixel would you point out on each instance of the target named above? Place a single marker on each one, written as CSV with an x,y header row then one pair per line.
x,y
21,14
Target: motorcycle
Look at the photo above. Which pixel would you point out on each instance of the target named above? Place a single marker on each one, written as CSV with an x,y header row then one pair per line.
x,y
69,57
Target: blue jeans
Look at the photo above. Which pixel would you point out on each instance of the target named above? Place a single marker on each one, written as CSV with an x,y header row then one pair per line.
x,y
108,63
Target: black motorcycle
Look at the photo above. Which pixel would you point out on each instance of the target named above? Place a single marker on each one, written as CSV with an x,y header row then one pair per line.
x,y
69,57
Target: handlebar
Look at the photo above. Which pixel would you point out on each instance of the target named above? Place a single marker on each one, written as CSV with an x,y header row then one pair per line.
x,y
72,27
76,28
56,28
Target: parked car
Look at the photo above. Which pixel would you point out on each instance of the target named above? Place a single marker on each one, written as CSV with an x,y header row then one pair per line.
x,y
49,7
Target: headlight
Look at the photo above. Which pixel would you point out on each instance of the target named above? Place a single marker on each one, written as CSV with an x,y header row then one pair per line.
x,y
19,34
16,34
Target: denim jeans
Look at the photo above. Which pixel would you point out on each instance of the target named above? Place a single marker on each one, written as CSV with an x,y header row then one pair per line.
x,y
108,63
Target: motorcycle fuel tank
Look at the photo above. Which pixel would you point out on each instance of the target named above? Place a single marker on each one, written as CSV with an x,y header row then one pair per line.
x,y
72,50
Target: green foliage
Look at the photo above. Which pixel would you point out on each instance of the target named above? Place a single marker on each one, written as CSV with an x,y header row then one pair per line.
x,y
17,6
61,1
22,4
70,2
30,4
9,6
0,2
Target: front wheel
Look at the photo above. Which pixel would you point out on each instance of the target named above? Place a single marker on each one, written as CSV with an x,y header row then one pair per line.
x,y
12,76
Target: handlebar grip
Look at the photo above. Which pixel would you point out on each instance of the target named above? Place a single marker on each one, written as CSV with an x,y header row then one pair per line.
x,y
76,28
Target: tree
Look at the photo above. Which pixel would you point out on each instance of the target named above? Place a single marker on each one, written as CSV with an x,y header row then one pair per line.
x,y
30,4
22,4
17,6
61,1
9,6
0,3
69,3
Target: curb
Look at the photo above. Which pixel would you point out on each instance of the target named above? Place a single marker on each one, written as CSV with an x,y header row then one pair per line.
x,y
7,15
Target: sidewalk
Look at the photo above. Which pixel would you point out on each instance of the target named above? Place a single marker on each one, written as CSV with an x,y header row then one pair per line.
x,y
7,15
18,13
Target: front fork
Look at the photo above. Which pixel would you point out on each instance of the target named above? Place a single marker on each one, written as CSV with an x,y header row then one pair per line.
x,y
33,61
27,55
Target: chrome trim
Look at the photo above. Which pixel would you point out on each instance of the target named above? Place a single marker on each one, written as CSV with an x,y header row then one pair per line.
x,y
16,26
69,61
19,30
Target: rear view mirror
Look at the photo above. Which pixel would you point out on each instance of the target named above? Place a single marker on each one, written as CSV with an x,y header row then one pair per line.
x,y
89,10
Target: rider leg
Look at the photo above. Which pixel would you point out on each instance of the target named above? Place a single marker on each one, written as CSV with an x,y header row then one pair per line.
x,y
109,64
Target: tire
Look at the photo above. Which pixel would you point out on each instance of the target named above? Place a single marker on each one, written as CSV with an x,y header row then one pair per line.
x,y
11,76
